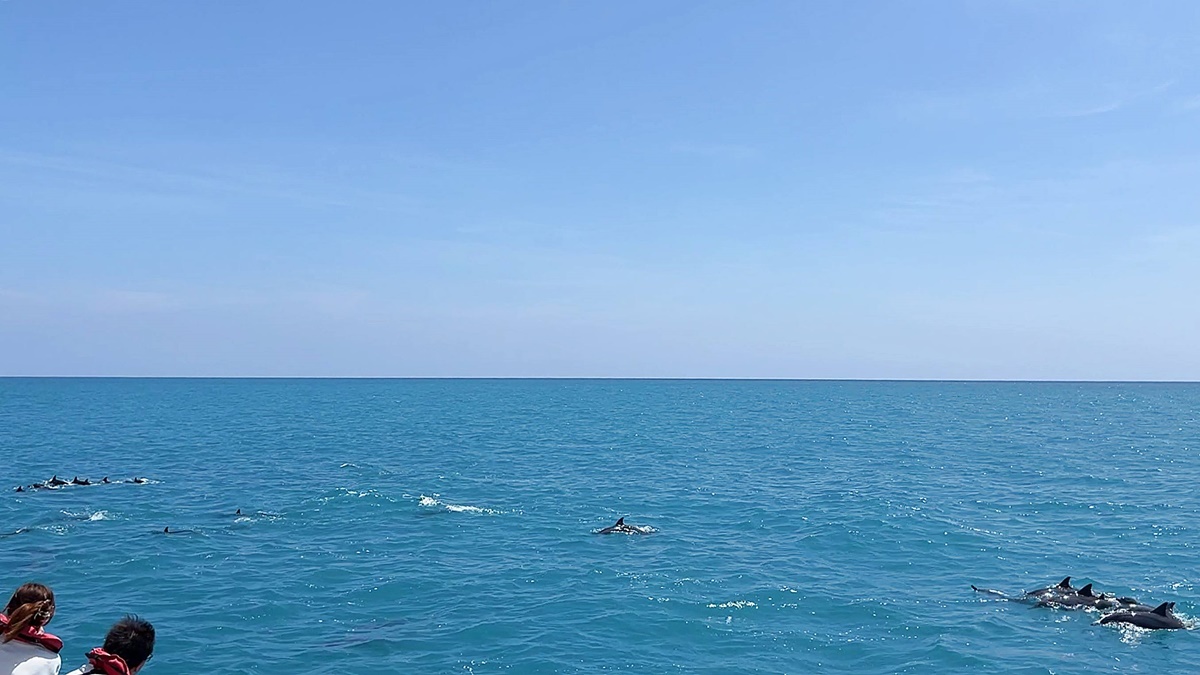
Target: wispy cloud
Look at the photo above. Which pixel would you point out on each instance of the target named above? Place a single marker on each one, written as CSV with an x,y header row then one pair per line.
x,y
1116,202
1117,101
1190,104
720,151
966,176
75,301
132,302
1031,100
232,178
1094,110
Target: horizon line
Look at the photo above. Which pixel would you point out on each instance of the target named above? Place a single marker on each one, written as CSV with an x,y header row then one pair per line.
x,y
591,377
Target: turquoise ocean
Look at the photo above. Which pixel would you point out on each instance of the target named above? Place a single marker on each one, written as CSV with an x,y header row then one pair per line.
x,y
446,526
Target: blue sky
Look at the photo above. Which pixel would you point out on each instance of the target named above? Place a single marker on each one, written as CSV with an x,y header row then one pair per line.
x,y
993,190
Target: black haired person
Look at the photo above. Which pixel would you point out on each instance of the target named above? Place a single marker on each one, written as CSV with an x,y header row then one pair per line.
x,y
127,647
25,646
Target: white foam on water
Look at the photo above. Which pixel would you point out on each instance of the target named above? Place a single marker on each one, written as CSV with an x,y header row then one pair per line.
x,y
255,516
736,604
87,515
460,508
430,502
372,493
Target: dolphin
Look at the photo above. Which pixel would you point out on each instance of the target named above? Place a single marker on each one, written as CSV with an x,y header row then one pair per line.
x,y
1082,598
1160,617
621,527
80,481
137,480
1131,605
20,489
1065,596
56,481
1061,588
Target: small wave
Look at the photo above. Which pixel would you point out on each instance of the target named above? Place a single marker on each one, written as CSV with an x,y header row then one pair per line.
x,y
357,494
736,604
363,493
366,469
257,516
90,516
430,502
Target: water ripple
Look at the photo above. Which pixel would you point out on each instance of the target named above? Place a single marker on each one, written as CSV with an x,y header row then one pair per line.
x,y
446,526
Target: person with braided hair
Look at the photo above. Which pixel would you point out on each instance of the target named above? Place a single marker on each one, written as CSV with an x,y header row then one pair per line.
x,y
25,646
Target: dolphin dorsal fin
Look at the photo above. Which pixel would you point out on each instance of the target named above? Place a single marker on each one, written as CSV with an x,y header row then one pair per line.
x,y
1086,591
1065,583
621,520
1161,610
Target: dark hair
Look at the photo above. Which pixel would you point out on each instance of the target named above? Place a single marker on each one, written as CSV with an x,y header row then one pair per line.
x,y
132,639
31,605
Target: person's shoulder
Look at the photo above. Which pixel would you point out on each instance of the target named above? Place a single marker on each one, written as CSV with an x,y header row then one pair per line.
x,y
38,658
82,670
45,663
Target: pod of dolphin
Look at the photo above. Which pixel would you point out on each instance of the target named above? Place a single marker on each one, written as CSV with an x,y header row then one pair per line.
x,y
55,482
1123,610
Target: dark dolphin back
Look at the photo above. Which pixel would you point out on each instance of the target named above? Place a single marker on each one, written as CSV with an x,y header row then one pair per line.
x,y
1159,618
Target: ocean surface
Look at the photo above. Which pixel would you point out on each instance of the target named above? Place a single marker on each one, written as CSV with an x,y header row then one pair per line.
x,y
447,526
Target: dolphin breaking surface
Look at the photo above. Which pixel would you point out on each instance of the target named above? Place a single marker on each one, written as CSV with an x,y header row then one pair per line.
x,y
55,483
1159,618
621,527
1126,610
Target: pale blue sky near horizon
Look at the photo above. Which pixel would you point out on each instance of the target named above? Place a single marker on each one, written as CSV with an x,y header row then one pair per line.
x,y
941,190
